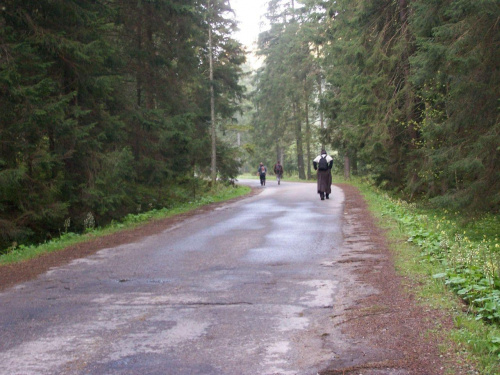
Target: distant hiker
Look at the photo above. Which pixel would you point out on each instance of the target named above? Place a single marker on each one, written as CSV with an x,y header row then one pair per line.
x,y
262,173
278,171
323,164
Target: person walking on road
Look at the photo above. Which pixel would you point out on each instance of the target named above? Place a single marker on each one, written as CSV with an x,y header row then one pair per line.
x,y
262,173
323,164
278,171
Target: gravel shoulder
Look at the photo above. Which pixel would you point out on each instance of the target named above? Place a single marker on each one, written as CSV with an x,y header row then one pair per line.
x,y
388,331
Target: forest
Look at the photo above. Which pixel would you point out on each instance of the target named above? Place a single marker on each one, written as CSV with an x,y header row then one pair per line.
x,y
106,108
109,107
405,92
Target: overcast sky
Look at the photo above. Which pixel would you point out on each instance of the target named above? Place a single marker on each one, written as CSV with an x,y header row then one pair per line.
x,y
248,15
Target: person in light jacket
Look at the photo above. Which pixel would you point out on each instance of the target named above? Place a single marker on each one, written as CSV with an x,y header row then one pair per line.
x,y
323,164
262,174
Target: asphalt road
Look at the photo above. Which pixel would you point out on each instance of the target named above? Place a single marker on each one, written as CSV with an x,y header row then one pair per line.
x,y
249,288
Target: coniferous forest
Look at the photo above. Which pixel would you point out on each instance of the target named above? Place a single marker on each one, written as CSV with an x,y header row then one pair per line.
x,y
105,108
406,91
106,105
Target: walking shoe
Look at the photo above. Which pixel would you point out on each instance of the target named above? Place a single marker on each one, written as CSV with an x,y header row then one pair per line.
x,y
328,196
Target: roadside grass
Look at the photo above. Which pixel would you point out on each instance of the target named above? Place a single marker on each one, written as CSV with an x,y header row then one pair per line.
x,y
450,261
248,176
218,194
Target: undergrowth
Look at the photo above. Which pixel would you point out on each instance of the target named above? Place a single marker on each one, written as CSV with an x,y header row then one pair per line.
x,y
460,251
24,252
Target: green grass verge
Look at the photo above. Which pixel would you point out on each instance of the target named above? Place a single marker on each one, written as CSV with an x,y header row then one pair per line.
x,y
430,252
219,194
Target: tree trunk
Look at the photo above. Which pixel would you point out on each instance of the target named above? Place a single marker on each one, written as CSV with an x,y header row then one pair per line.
x,y
139,83
354,162
149,74
347,167
411,101
308,141
212,101
298,137
320,93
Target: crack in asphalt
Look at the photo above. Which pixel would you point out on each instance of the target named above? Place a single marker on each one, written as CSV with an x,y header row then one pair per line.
x,y
216,303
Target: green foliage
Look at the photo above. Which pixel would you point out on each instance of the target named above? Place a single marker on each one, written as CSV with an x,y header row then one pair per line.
x,y
469,252
434,268
219,193
413,96
112,187
230,162
371,104
41,120
285,87
104,108
457,79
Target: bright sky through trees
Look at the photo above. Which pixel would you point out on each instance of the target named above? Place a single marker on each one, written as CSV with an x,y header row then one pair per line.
x,y
249,14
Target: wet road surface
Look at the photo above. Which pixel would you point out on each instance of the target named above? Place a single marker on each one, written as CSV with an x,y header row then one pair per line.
x,y
249,288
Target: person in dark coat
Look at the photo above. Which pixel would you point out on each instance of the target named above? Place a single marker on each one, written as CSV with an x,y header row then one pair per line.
x,y
278,171
323,164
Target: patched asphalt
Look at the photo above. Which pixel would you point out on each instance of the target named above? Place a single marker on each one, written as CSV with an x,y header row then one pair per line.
x,y
249,288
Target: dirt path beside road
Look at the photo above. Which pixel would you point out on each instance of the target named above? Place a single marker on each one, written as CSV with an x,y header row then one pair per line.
x,y
395,334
